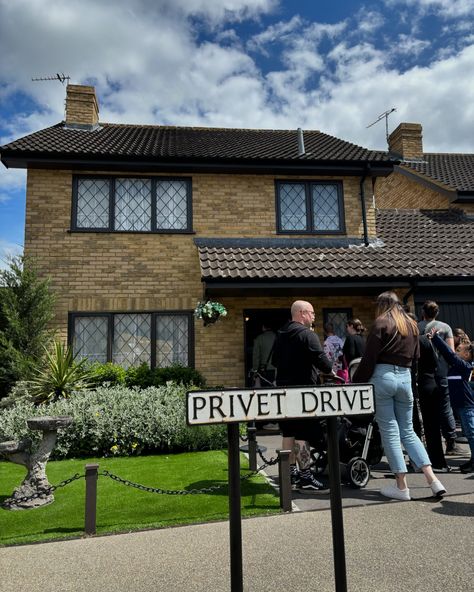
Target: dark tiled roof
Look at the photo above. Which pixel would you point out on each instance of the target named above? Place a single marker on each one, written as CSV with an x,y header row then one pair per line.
x,y
165,142
454,170
411,244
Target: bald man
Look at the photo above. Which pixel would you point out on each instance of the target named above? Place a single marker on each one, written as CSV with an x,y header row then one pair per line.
x,y
298,355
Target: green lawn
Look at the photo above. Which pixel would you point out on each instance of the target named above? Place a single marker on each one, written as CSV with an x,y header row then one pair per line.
x,y
124,509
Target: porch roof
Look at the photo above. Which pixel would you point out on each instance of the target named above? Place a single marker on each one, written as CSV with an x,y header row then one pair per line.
x,y
412,246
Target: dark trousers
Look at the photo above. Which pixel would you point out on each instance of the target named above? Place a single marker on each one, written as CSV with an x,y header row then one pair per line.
x,y
431,402
448,423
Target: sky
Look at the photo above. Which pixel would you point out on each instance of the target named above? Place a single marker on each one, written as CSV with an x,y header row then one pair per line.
x,y
333,66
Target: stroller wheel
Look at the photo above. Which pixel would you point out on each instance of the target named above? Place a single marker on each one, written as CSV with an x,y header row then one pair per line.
x,y
358,472
319,462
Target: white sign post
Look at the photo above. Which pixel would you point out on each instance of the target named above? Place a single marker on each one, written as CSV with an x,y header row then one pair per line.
x,y
232,406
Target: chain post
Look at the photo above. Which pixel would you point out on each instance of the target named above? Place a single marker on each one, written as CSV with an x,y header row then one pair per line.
x,y
284,479
91,498
252,441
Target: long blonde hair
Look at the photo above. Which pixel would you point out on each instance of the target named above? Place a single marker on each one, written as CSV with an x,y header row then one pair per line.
x,y
388,305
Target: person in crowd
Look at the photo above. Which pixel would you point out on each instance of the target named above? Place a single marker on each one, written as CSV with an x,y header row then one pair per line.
x,y
429,312
459,336
392,345
262,368
298,356
354,344
460,376
333,347
429,397
263,371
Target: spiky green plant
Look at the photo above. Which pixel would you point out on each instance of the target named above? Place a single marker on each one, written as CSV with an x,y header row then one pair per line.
x,y
62,374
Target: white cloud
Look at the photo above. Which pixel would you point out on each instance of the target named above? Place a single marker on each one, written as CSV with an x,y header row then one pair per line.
x,y
369,21
407,44
11,180
7,251
218,11
150,65
444,8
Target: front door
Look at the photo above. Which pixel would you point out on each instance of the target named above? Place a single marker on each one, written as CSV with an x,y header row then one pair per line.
x,y
253,320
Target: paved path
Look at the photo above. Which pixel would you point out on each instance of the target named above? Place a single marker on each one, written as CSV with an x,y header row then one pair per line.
x,y
422,545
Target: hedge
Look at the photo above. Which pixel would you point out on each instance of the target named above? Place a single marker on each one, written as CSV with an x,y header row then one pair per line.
x,y
117,420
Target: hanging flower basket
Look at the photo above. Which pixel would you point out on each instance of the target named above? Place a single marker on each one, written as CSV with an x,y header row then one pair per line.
x,y
209,312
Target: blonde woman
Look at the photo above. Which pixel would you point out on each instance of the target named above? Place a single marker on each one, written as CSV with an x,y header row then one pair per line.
x,y
392,346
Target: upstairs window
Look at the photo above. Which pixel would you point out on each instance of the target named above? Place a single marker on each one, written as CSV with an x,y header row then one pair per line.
x,y
309,207
124,204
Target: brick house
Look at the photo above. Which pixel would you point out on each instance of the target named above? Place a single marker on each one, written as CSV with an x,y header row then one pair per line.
x,y
434,196
137,223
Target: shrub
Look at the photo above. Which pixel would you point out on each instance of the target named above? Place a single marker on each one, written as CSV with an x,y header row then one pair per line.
x,y
143,377
26,308
110,373
180,375
117,420
139,376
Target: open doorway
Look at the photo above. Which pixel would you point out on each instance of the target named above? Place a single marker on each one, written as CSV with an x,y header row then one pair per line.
x,y
253,319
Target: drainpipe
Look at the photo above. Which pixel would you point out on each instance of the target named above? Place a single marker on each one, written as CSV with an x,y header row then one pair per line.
x,y
362,205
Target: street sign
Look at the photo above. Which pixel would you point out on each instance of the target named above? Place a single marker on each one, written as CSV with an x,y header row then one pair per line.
x,y
278,403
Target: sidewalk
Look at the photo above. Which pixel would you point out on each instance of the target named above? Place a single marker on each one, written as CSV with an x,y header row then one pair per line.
x,y
455,482
420,545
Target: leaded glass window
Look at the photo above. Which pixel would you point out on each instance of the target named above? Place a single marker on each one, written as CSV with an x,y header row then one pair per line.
x,y
158,339
92,203
310,207
172,339
132,340
171,205
338,317
90,338
292,206
127,204
325,207
132,204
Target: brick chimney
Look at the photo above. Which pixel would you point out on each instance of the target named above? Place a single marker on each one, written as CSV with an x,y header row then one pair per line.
x,y
82,109
406,141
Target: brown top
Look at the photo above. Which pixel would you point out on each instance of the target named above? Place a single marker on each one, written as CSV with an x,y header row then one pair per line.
x,y
385,345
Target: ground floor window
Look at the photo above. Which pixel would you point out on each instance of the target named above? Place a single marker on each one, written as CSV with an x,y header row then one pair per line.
x,y
159,339
338,317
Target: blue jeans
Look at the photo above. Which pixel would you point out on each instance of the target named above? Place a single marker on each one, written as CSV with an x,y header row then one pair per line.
x,y
394,415
466,415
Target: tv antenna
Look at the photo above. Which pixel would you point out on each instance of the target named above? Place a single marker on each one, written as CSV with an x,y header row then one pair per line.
x,y
381,116
61,77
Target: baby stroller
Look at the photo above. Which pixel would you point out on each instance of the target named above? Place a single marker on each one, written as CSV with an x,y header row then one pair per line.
x,y
360,447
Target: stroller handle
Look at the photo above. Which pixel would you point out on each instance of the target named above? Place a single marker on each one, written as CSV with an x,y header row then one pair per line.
x,y
332,377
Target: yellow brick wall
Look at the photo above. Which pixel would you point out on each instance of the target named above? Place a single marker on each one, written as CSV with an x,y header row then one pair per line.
x,y
155,272
397,191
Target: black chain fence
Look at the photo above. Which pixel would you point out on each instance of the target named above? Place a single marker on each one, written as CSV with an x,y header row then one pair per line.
x,y
212,489
42,493
105,473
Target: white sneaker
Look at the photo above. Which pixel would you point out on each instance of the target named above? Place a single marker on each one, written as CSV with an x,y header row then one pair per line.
x,y
438,489
395,493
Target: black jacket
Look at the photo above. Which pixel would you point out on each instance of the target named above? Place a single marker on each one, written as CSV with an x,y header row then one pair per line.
x,y
298,356
354,347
